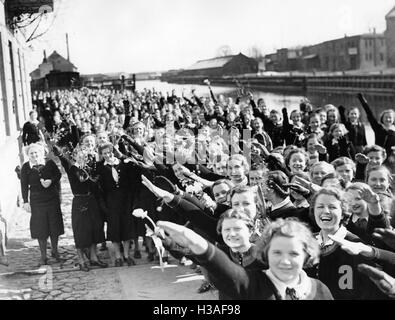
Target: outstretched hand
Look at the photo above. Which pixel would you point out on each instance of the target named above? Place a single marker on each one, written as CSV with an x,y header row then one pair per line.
x,y
382,280
361,98
160,193
184,237
361,158
298,188
320,148
369,195
386,235
353,248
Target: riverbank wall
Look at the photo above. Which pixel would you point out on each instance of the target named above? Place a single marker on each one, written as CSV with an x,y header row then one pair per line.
x,y
383,85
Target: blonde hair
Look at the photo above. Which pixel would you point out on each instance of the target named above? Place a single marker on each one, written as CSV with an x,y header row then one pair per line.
x,y
37,145
289,228
242,159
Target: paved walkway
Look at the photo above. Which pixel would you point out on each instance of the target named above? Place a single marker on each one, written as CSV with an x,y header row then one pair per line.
x,y
21,280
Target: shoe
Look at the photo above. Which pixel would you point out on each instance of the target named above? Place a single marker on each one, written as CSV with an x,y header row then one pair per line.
x,y
206,286
98,263
137,254
4,261
150,257
84,266
130,262
57,257
165,259
118,262
42,262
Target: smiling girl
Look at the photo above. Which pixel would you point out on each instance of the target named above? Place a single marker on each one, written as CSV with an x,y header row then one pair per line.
x,y
238,169
379,179
296,161
338,144
337,269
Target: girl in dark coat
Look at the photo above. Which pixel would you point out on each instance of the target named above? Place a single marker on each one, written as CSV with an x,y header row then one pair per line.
x,y
30,131
87,222
40,193
119,180
356,130
337,269
338,144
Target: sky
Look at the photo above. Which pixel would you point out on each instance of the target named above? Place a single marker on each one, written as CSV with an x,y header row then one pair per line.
x,y
158,35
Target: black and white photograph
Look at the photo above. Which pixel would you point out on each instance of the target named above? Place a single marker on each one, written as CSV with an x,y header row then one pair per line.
x,y
197,152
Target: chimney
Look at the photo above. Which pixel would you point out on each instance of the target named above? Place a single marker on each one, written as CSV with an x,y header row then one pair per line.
x,y
45,56
67,44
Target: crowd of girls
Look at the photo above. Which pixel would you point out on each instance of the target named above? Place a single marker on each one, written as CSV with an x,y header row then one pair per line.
x,y
270,204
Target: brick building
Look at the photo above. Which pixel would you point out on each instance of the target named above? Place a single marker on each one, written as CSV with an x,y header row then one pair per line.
x,y
390,37
365,52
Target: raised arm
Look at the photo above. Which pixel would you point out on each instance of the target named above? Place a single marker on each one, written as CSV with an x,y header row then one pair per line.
x,y
226,276
376,126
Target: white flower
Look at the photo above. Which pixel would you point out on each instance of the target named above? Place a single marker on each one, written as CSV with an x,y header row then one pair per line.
x,y
140,213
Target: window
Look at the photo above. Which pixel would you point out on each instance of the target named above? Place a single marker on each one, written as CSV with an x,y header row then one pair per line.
x,y
382,56
366,56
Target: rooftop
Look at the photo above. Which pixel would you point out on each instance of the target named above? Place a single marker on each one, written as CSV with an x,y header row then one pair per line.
x,y
391,14
211,63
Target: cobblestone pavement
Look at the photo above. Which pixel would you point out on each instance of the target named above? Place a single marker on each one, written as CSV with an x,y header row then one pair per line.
x,y
21,280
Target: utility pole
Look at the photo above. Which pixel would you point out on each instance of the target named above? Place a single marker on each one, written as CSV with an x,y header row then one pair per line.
x,y
67,44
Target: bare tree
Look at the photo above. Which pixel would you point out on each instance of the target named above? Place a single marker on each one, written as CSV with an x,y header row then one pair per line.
x,y
256,53
223,51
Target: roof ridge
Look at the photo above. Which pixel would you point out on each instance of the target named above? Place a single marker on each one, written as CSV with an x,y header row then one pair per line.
x,y
391,12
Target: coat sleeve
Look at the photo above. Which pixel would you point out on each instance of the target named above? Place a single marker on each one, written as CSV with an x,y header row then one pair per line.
x,y
25,183
227,276
55,172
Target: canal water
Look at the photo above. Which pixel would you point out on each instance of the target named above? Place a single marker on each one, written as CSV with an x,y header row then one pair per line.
x,y
280,100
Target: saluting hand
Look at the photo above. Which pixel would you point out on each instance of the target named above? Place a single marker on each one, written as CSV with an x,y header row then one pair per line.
x,y
361,158
382,280
160,193
320,148
184,237
353,248
367,194
386,235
